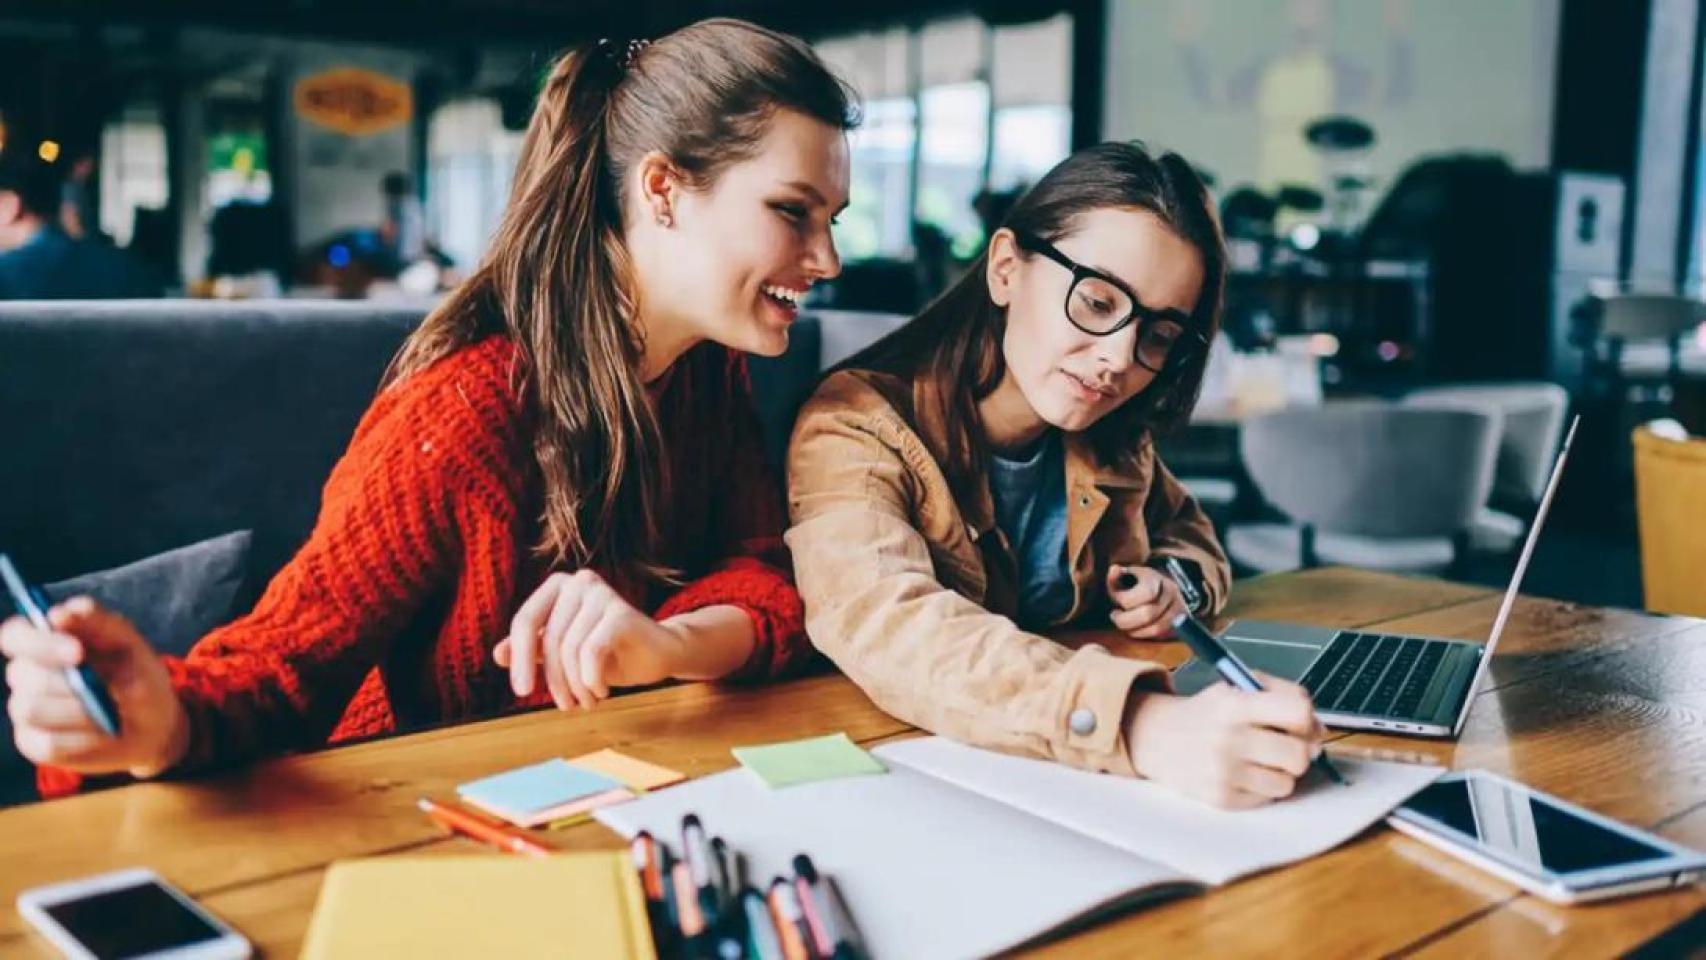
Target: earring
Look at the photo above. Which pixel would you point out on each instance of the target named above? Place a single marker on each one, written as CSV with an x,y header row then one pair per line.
x,y
665,220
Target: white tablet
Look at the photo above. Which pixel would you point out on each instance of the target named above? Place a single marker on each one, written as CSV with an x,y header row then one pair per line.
x,y
1551,848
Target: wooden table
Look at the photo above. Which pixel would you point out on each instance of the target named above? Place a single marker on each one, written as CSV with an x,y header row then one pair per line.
x,y
1603,707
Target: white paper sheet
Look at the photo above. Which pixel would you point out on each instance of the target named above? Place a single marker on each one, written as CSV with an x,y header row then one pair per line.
x,y
1212,845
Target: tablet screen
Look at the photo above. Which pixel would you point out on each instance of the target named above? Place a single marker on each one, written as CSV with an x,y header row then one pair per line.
x,y
1525,829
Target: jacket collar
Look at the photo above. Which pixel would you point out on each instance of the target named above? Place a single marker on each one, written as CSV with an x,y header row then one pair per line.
x,y
1086,474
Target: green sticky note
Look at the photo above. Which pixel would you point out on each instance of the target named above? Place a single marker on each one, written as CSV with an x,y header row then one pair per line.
x,y
808,761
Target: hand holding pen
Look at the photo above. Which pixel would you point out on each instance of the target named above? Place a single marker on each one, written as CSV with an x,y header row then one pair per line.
x,y
1230,745
124,716
1210,650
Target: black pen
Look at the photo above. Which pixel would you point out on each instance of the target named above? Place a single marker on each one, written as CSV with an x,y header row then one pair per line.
x,y
731,920
82,679
1211,651
725,880
648,864
671,908
851,945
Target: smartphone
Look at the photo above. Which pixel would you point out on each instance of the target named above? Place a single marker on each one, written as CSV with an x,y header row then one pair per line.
x,y
128,914
1550,848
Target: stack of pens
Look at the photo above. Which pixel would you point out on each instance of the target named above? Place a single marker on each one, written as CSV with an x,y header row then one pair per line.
x,y
702,906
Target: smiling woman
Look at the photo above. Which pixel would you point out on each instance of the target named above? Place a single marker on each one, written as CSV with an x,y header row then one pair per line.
x,y
559,490
989,470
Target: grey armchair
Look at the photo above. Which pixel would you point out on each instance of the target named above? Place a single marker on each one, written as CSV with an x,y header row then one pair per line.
x,y
1533,416
1367,484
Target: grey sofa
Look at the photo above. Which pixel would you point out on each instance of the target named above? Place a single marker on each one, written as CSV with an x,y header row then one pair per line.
x,y
133,428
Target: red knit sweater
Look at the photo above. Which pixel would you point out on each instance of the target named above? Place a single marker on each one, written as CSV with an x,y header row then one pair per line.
x,y
386,618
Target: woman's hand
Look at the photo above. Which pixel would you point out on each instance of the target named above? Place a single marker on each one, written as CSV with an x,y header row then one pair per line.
x,y
1224,746
1143,609
50,724
587,639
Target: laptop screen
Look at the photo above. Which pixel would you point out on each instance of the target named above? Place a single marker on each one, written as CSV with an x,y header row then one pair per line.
x,y
1516,575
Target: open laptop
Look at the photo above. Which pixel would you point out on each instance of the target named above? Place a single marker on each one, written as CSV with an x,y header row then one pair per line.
x,y
1374,681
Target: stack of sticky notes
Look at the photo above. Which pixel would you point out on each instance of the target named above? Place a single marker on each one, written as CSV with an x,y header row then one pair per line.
x,y
517,908
637,775
559,791
808,761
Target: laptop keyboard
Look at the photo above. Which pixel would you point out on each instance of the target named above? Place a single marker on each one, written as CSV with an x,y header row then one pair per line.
x,y
1373,674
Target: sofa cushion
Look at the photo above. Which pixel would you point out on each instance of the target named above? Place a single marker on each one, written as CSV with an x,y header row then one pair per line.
x,y
174,597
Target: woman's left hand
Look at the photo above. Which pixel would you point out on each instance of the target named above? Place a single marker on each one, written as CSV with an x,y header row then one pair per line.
x,y
1145,609
587,639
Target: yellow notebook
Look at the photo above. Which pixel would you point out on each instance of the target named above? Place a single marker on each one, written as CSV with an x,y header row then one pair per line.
x,y
571,905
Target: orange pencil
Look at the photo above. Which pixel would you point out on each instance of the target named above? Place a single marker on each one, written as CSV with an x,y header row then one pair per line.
x,y
457,820
646,862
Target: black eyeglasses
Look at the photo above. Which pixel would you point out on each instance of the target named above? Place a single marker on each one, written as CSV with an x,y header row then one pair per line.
x,y
1101,305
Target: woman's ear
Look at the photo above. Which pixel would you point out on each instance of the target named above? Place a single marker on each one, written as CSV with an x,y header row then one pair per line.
x,y
659,182
1003,267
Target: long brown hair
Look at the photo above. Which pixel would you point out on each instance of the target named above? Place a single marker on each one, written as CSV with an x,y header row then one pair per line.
x,y
557,278
956,342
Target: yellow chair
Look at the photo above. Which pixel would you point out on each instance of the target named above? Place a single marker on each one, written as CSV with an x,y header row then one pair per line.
x,y
1670,498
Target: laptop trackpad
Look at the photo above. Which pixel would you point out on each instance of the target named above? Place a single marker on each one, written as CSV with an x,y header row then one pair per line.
x,y
1282,660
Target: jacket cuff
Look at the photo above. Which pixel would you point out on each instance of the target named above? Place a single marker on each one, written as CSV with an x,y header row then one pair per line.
x,y
1089,726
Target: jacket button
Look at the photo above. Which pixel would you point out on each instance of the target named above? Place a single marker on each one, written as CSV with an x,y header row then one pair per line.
x,y
1083,722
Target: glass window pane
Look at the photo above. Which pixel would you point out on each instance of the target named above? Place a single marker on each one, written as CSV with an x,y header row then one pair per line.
x,y
874,63
1029,141
1031,83
133,170
470,161
1032,63
875,222
951,51
955,136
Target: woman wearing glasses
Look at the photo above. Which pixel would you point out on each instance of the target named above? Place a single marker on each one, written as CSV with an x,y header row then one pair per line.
x,y
988,471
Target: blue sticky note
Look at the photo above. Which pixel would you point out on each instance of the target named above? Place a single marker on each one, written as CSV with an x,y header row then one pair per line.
x,y
527,790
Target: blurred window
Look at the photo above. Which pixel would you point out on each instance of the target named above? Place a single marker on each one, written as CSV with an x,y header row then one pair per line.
x,y
471,159
986,107
133,170
1031,84
875,223
955,131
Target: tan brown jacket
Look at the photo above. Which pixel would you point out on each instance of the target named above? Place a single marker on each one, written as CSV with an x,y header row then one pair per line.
x,y
911,592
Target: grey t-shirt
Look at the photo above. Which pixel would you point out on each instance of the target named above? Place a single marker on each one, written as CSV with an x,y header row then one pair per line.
x,y
1030,508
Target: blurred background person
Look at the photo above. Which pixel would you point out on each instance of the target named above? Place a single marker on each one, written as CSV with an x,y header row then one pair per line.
x,y
403,231
39,260
78,214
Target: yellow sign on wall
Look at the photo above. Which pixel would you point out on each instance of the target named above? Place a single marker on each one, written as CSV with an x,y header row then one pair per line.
x,y
354,101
